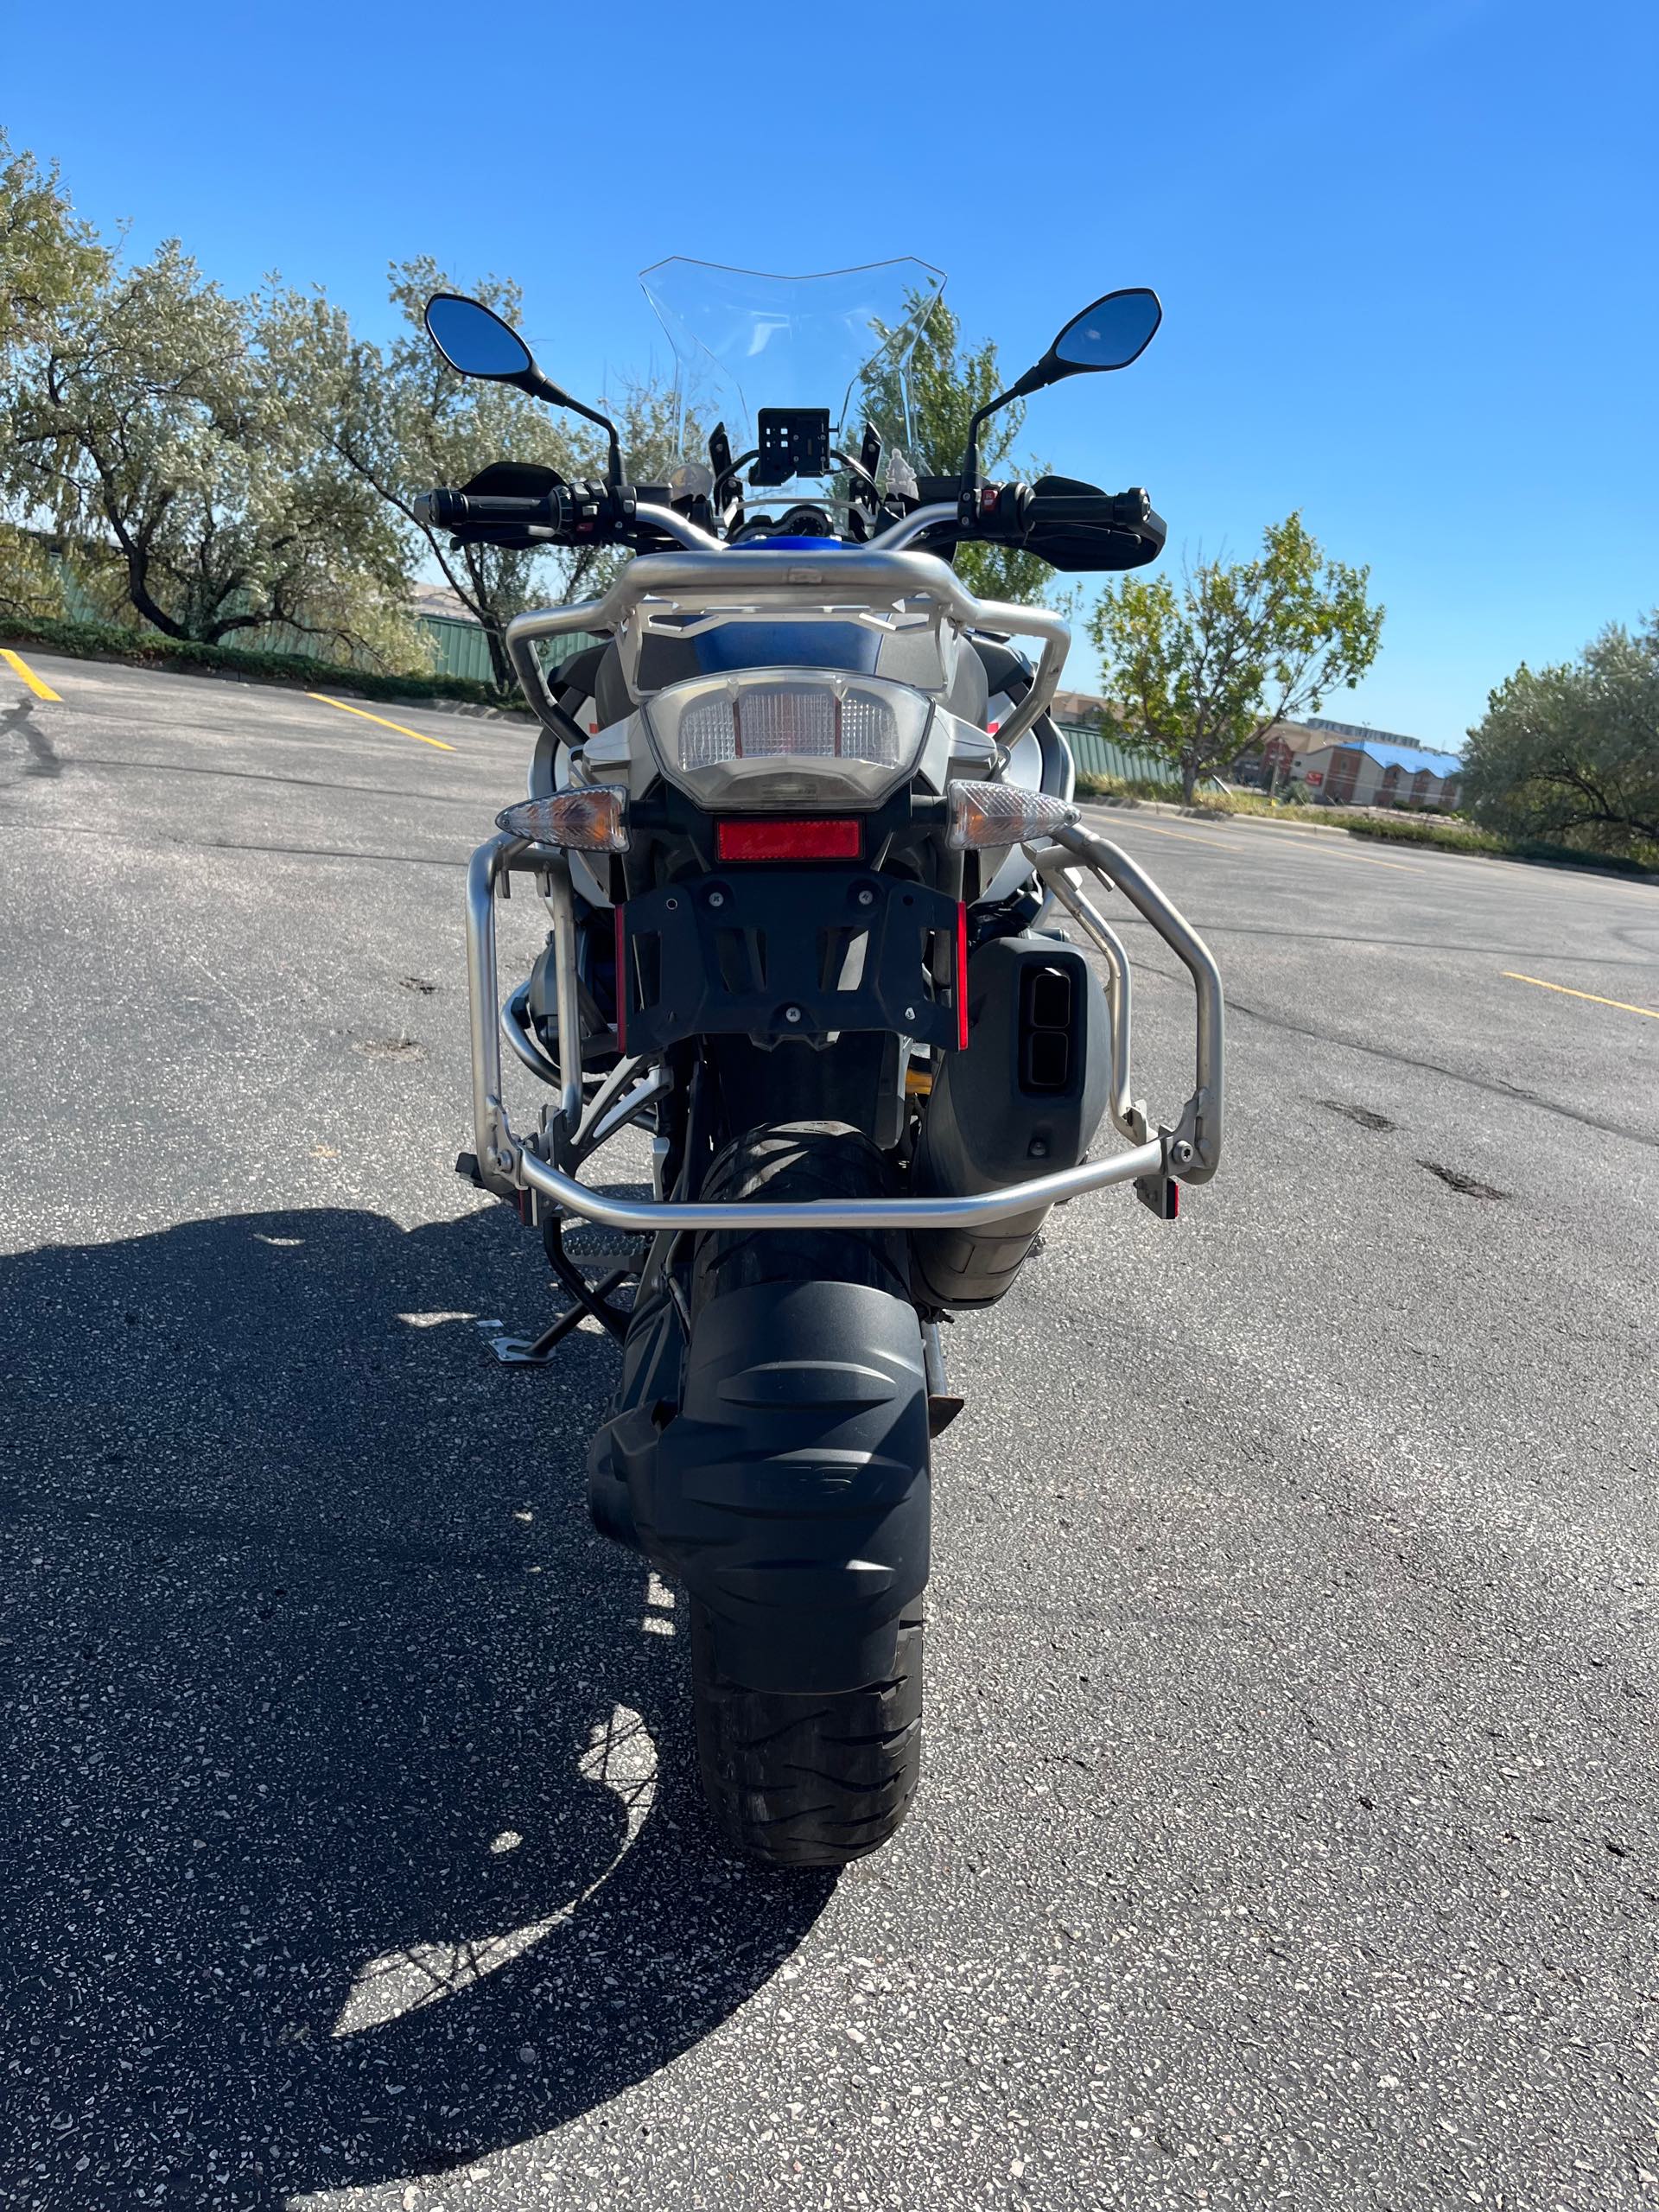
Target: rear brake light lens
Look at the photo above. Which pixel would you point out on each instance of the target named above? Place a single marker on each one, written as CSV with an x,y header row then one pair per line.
x,y
995,815
803,722
591,818
794,741
763,839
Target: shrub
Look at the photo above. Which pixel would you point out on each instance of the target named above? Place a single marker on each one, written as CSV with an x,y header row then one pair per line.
x,y
149,649
1451,833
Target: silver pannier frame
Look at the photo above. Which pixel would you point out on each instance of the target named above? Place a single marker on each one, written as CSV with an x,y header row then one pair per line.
x,y
875,584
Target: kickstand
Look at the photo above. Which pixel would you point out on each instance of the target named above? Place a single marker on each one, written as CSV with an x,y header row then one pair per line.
x,y
594,1300
535,1351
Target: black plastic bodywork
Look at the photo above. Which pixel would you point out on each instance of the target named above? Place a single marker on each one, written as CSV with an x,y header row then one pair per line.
x,y
1076,528
791,1493
1025,1099
858,1081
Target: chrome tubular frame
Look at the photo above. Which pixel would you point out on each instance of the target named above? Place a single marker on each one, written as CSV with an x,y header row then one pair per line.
x,y
1193,1143
645,1217
497,1147
521,1037
868,581
1189,1150
1113,950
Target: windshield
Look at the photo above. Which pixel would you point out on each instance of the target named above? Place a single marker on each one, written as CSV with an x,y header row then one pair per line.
x,y
836,343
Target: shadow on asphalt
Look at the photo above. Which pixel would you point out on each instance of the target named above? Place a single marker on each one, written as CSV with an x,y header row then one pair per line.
x,y
353,1829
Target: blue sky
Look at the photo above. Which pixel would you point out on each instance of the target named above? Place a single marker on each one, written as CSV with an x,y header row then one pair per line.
x,y
1406,252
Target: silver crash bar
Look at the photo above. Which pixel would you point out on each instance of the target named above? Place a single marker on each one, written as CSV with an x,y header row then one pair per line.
x,y
1193,1145
1189,1150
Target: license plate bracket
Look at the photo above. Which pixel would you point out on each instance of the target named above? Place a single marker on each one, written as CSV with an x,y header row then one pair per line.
x,y
771,953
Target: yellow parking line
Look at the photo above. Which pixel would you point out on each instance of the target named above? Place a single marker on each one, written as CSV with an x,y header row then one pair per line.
x,y
1623,1005
419,737
40,690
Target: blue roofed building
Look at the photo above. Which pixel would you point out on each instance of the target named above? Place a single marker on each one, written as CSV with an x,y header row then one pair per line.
x,y
1355,771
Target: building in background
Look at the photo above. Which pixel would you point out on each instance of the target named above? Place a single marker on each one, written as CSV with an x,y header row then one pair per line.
x,y
1342,764
1373,773
1362,731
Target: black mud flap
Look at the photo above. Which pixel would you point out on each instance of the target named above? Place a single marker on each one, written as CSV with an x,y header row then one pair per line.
x,y
791,1493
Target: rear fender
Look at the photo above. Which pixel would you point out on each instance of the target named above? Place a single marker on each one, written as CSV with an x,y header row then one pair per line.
x,y
790,1494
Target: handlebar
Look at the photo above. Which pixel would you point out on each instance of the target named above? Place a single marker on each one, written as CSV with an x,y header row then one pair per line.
x,y
1061,520
1072,525
565,514
1006,514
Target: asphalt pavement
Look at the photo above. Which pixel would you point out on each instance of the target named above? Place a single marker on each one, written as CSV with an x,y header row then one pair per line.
x,y
1287,1830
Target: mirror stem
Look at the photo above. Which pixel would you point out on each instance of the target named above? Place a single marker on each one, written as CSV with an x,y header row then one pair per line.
x,y
543,387
970,464
1033,381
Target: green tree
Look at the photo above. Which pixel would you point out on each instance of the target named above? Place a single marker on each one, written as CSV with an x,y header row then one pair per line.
x,y
1572,753
48,257
161,427
30,584
946,383
401,421
1202,673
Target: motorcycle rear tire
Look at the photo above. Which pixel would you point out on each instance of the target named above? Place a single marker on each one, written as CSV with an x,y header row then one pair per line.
x,y
815,1779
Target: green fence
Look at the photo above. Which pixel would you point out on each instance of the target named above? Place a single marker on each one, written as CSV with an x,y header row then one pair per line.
x,y
462,647
1096,755
459,648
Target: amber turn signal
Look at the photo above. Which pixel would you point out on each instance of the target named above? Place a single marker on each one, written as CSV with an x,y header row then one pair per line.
x,y
995,815
588,818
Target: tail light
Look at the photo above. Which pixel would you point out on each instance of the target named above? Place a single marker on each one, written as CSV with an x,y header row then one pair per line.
x,y
588,818
811,739
809,721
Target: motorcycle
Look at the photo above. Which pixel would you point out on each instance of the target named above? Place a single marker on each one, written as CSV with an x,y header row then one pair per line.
x,y
803,827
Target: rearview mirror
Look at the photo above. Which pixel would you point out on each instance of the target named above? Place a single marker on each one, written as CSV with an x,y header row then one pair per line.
x,y
474,341
1111,333
1117,330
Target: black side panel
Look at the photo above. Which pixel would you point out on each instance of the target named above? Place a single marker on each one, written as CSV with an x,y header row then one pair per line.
x,y
1025,1099
790,1496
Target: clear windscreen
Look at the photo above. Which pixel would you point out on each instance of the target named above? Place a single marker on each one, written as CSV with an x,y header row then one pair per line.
x,y
744,341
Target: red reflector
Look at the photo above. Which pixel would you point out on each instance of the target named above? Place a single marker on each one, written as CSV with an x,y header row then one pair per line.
x,y
758,839
962,979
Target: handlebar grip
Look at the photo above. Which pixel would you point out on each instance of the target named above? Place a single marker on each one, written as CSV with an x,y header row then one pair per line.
x,y
1112,510
448,510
